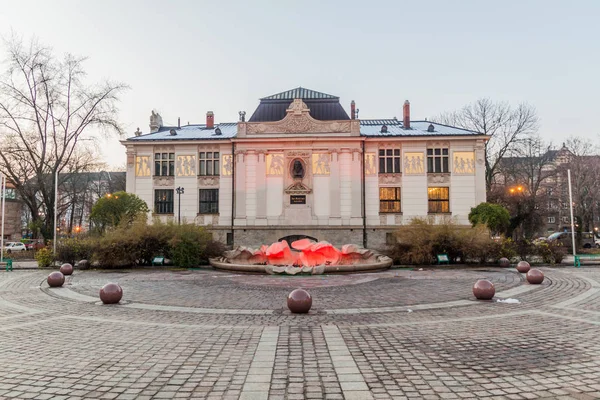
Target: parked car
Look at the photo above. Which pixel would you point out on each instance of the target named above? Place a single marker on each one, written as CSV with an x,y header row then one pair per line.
x,y
597,241
584,239
33,244
14,246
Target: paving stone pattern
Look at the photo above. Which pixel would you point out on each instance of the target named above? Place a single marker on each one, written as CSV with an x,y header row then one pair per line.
x,y
212,335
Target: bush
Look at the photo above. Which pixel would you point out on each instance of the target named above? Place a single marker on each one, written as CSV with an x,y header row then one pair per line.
x,y
71,250
551,253
422,240
213,249
44,258
187,245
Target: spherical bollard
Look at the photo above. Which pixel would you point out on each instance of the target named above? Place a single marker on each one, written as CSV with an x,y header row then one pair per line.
x,y
111,293
66,269
299,301
83,264
484,289
523,266
55,279
535,276
504,262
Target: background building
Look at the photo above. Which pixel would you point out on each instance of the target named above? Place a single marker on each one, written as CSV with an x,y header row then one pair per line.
x,y
301,166
12,214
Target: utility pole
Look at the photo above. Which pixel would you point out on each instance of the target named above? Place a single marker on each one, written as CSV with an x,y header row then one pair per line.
x,y
3,192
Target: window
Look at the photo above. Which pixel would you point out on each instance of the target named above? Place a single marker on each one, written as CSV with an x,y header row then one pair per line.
x,y
389,161
439,199
230,238
437,160
209,163
551,220
209,201
389,200
164,164
390,238
163,201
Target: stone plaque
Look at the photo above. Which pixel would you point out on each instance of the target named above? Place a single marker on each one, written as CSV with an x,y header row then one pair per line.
x,y
298,199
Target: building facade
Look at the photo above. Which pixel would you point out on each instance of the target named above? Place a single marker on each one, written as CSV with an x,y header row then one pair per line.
x,y
300,166
12,214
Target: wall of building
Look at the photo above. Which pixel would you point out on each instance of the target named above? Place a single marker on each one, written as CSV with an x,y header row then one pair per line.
x,y
12,223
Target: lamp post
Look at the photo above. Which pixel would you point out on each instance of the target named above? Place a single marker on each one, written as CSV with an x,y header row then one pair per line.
x,y
55,208
180,191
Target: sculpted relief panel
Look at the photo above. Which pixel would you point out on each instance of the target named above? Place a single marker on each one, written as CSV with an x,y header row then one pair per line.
x,y
142,166
275,164
320,163
186,165
226,165
414,163
370,164
463,162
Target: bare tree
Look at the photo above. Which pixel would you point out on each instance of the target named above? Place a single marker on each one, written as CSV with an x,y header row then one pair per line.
x,y
584,164
525,170
505,125
45,111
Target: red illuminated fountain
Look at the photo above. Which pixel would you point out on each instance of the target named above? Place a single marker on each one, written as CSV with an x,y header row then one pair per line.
x,y
305,256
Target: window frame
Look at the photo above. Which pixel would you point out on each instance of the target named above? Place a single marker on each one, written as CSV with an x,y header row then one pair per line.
x,y
438,163
206,163
164,164
212,204
390,161
436,205
391,203
164,210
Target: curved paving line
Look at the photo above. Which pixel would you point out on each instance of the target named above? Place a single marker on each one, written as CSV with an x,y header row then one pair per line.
x,y
70,294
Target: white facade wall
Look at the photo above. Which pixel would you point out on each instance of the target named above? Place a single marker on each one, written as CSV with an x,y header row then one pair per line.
x,y
335,197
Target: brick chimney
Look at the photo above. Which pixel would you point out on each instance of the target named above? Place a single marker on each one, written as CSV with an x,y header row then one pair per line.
x,y
352,110
210,120
406,119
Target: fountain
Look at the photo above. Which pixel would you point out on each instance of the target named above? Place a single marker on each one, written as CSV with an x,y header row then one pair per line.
x,y
304,256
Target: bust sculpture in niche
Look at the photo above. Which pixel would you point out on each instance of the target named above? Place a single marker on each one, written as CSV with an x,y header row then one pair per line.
x,y
297,169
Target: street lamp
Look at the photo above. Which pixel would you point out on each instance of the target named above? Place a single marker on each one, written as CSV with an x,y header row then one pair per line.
x,y
3,193
180,191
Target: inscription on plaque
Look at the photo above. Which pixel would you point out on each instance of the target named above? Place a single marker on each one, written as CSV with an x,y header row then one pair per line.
x,y
298,199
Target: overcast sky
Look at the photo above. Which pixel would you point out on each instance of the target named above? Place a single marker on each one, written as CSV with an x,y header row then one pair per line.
x,y
186,57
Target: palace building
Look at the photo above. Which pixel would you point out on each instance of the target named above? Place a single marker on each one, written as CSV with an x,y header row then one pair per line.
x,y
300,166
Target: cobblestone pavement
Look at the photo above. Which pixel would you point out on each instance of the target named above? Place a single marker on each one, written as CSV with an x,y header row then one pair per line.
x,y
389,335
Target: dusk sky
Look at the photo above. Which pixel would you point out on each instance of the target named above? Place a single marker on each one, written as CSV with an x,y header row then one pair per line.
x,y
183,58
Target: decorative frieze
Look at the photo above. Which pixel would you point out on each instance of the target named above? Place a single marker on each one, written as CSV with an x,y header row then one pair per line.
x,y
226,165
208,181
437,179
388,179
320,163
185,165
164,181
275,164
370,163
414,163
463,163
142,166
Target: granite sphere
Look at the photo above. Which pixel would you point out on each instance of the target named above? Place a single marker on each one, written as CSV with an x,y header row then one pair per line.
x,y
535,276
66,269
523,266
484,289
504,262
56,279
83,264
111,293
299,301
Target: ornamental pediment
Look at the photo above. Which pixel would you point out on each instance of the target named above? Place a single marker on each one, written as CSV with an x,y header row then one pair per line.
x,y
299,120
298,188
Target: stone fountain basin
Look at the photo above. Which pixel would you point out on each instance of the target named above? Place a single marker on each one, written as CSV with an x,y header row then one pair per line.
x,y
384,263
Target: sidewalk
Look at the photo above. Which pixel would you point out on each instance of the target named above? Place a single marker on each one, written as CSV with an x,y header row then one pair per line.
x,y
23,264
